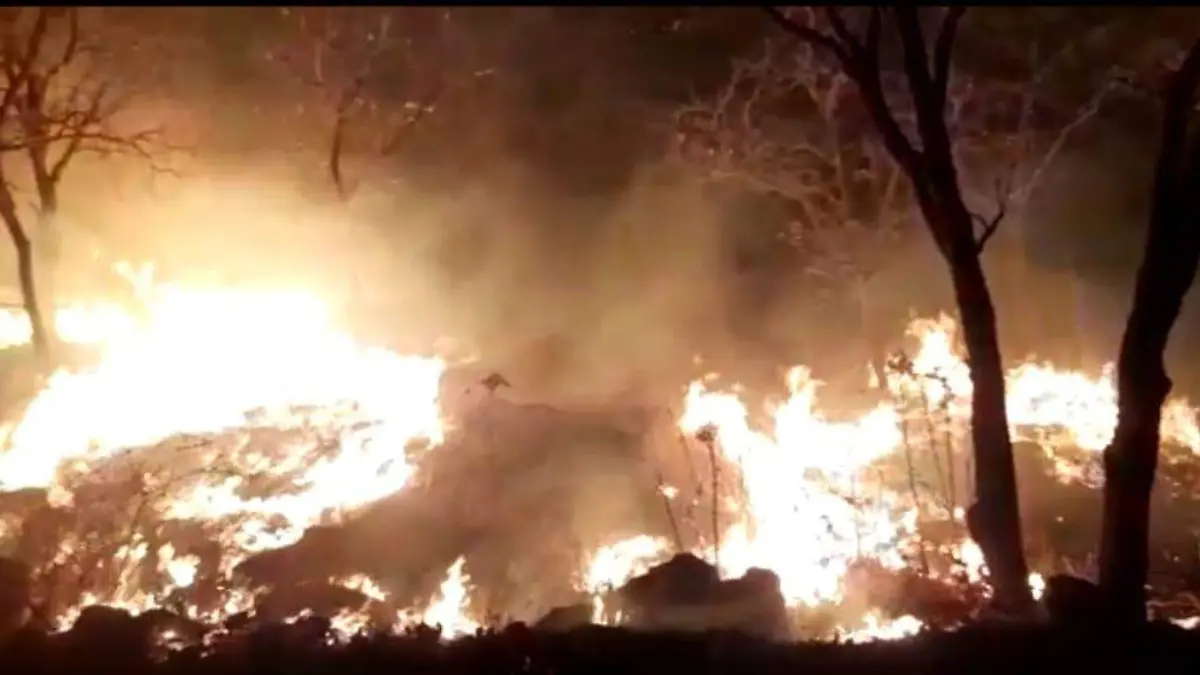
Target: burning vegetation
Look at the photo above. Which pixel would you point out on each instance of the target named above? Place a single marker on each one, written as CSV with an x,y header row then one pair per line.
x,y
216,472
213,458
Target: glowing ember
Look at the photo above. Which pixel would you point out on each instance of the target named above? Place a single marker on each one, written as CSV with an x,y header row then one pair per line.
x,y
876,628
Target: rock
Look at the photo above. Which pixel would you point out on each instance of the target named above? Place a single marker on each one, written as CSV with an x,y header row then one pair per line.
x,y
238,622
1071,600
310,631
761,581
754,604
114,629
682,580
687,593
565,618
161,623
517,632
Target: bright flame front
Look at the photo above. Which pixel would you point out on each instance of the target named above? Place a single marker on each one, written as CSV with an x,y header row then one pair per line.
x,y
205,362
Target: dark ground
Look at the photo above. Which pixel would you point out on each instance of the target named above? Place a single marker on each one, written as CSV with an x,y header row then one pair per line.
x,y
1161,649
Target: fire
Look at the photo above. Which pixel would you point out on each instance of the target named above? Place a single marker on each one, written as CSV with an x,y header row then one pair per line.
x,y
208,361
812,508
216,364
449,608
877,628
198,363
611,566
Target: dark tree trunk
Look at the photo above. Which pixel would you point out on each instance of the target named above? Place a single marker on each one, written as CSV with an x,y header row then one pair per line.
x,y
1166,274
47,252
40,337
47,247
1130,464
996,512
994,520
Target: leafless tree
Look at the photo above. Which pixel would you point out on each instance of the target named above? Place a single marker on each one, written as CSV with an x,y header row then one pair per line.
x,y
788,123
1167,272
784,125
376,73
921,138
58,101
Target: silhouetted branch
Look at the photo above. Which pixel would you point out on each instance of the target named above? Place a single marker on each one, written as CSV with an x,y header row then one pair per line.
x,y
987,228
56,105
943,50
807,33
349,56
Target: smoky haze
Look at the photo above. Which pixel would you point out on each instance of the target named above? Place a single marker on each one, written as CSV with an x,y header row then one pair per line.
x,y
535,219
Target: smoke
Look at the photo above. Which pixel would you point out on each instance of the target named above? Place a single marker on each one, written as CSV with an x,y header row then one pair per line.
x,y
572,259
535,225
532,221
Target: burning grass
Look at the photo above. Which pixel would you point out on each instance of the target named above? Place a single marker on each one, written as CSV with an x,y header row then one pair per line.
x,y
226,441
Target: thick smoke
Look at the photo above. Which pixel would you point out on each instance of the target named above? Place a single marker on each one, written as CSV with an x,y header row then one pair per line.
x,y
533,220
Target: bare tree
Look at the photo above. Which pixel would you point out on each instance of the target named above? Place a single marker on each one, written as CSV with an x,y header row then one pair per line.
x,y
789,124
376,73
58,101
1167,272
784,124
920,140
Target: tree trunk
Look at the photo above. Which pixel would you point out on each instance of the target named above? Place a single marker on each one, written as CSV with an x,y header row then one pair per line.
x,y
996,513
47,253
40,337
1167,272
1130,463
1131,458
994,520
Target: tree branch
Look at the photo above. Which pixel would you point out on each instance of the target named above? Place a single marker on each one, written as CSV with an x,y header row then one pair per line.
x,y
807,33
987,227
60,104
1083,115
860,61
870,84
929,104
1180,89
779,126
343,57
943,50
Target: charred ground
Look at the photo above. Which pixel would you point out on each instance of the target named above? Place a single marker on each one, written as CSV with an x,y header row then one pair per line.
x,y
117,646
